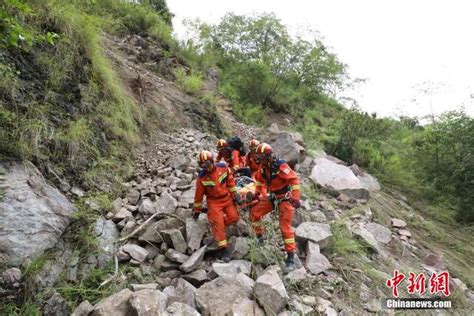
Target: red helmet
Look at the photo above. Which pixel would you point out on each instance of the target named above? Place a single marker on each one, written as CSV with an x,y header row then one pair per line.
x,y
221,143
264,152
253,144
205,156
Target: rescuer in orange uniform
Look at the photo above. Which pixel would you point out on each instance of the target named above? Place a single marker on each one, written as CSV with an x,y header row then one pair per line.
x,y
217,183
231,156
251,161
283,188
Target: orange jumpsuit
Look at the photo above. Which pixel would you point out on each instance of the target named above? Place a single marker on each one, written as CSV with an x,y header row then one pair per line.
x,y
252,164
217,186
282,182
232,158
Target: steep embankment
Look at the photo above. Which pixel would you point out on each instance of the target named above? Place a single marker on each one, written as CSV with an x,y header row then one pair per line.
x,y
141,247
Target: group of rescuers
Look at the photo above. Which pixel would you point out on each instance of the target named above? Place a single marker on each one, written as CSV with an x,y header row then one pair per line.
x,y
276,187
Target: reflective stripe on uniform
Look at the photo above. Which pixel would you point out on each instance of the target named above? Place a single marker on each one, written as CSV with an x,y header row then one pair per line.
x,y
289,241
295,187
256,224
233,189
236,167
223,176
222,243
208,183
197,204
258,183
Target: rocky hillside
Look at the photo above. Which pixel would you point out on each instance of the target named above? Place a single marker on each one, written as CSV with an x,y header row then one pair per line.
x,y
70,243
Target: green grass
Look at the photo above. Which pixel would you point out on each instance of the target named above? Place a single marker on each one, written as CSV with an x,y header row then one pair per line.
x,y
343,243
191,83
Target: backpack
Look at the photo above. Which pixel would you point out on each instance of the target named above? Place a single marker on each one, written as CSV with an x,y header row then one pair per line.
x,y
236,143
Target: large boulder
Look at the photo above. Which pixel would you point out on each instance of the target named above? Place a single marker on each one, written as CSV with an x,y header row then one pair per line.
x,y
340,178
288,146
315,232
33,214
175,239
135,251
246,307
270,292
115,305
218,296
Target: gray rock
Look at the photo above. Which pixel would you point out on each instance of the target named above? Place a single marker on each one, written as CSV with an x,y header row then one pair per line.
x,y
316,232
148,302
398,223
287,148
122,214
240,249
133,196
136,252
270,292
246,307
117,205
243,266
166,204
246,283
128,228
176,256
404,232
11,277
362,233
369,182
194,260
139,287
151,234
218,296
56,305
300,307
183,292
159,259
78,192
337,177
315,261
174,239
226,270
34,214
195,231
381,233
84,309
180,162
297,275
187,198
180,309
147,207
197,277
115,305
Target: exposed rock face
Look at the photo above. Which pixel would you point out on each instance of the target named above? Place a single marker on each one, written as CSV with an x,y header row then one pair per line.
x,y
136,252
316,232
337,177
195,231
33,214
218,296
398,223
270,292
84,309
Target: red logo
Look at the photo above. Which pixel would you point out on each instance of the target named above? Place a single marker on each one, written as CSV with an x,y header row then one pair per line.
x,y
439,283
